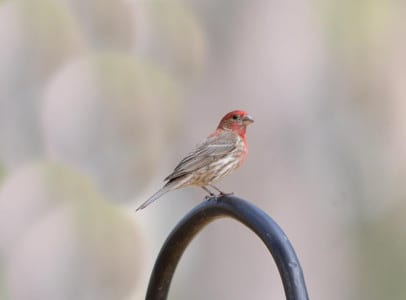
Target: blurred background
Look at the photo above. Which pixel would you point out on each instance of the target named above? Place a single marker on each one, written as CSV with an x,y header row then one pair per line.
x,y
99,100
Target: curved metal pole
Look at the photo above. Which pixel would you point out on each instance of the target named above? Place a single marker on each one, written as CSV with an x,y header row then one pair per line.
x,y
248,214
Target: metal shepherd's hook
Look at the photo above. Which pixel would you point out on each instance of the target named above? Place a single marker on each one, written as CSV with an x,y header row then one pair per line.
x,y
251,216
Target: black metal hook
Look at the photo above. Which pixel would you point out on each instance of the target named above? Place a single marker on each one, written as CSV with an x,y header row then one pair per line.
x,y
248,214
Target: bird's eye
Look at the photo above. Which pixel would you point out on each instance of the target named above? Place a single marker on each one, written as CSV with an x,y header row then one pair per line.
x,y
235,117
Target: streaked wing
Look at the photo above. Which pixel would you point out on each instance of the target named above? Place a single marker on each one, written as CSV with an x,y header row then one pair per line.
x,y
212,149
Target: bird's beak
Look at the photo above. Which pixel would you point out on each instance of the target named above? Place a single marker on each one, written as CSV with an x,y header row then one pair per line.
x,y
247,120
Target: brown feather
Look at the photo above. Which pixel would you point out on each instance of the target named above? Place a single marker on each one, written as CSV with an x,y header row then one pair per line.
x,y
213,148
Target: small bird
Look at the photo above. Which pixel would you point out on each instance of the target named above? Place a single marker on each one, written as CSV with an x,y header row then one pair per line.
x,y
217,156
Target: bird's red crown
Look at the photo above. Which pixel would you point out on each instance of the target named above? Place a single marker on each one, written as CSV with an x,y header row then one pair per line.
x,y
237,121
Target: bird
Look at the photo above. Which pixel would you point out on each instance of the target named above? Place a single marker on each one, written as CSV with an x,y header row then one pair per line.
x,y
218,155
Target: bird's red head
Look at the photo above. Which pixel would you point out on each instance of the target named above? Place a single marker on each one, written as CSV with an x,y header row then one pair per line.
x,y
236,121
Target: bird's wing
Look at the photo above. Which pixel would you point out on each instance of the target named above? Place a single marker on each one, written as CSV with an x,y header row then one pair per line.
x,y
213,148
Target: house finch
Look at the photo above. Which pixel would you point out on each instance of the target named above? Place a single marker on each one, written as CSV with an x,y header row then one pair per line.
x,y
217,156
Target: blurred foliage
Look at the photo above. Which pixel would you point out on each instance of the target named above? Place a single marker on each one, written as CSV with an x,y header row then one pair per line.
x,y
78,90
60,229
176,42
3,294
107,124
381,253
105,24
360,36
45,21
37,36
2,173
356,25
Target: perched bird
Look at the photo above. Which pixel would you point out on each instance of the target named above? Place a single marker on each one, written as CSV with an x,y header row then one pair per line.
x,y
217,156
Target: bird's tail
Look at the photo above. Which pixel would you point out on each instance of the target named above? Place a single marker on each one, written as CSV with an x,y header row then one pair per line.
x,y
154,197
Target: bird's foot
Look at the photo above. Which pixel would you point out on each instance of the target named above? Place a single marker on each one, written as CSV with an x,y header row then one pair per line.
x,y
210,197
221,193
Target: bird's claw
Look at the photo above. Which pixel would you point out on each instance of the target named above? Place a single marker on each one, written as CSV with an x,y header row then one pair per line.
x,y
226,194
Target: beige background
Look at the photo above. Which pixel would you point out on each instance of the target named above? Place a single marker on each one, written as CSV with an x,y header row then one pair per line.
x,y
100,99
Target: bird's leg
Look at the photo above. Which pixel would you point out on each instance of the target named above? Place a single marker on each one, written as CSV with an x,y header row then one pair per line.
x,y
210,193
220,191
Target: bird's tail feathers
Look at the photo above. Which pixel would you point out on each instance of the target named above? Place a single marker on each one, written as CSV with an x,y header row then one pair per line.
x,y
154,197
